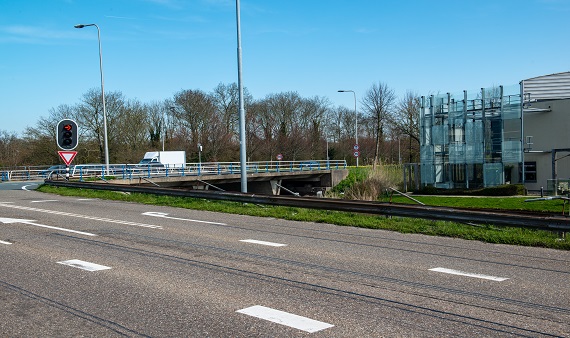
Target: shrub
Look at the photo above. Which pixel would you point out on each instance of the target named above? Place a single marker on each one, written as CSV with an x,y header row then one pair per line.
x,y
355,175
372,187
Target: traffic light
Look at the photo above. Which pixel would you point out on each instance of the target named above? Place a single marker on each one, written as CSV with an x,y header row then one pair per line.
x,y
67,134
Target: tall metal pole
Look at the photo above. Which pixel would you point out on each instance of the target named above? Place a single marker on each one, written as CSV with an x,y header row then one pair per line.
x,y
355,119
399,154
163,132
242,150
102,95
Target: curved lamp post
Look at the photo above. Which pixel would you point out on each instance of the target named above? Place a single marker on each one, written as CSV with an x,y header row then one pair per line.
x,y
102,94
355,119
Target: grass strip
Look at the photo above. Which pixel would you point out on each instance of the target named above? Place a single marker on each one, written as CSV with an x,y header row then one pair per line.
x,y
486,233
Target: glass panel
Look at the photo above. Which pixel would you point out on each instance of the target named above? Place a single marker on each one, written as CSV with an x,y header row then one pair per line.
x,y
474,153
426,154
440,134
473,132
457,153
512,152
493,174
511,107
426,131
427,173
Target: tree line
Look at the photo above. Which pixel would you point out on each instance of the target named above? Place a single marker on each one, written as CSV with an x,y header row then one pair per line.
x,y
285,123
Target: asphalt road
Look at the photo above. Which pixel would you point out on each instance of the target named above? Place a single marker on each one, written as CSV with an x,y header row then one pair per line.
x,y
74,267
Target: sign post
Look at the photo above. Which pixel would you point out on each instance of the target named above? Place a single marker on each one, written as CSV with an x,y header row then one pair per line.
x,y
67,157
279,158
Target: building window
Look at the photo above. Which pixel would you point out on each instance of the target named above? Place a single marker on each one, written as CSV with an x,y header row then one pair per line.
x,y
530,171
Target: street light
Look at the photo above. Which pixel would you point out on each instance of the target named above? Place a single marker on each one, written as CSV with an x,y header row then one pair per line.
x,y
355,119
242,138
102,94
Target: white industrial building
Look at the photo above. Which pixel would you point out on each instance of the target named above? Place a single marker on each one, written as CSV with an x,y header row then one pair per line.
x,y
499,135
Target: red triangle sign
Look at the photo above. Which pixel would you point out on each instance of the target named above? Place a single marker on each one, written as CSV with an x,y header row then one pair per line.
x,y
67,156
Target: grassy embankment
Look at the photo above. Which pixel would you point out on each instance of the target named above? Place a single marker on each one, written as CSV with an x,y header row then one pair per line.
x,y
361,176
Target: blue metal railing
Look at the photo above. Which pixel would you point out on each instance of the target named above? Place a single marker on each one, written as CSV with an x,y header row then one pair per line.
x,y
133,171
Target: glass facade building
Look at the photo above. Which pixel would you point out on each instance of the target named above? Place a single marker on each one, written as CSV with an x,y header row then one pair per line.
x,y
472,140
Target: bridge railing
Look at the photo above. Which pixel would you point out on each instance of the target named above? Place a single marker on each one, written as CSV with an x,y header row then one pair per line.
x,y
129,171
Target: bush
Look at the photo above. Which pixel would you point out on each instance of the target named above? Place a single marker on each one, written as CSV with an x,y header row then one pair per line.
x,y
372,187
355,175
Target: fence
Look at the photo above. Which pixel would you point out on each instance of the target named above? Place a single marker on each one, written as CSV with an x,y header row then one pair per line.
x,y
128,171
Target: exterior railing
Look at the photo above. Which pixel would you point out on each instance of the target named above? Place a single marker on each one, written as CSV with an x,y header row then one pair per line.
x,y
84,172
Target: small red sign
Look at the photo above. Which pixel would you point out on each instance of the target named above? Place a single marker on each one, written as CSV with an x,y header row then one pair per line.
x,y
67,156
279,157
356,153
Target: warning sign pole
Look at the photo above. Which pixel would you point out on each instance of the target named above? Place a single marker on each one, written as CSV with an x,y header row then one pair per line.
x,y
67,157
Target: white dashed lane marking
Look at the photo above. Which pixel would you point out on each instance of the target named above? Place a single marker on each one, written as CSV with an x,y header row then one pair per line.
x,y
285,318
76,263
32,222
262,242
468,274
165,215
62,213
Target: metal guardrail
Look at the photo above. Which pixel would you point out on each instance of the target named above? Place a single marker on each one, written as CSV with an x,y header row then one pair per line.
x,y
130,171
526,220
566,200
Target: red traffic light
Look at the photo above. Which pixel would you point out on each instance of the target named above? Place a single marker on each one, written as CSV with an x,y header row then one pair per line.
x,y
67,134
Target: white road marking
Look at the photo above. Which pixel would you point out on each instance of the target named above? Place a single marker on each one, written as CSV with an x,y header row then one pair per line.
x,y
285,318
31,222
2,204
25,187
467,274
85,199
43,201
3,242
165,215
76,263
262,242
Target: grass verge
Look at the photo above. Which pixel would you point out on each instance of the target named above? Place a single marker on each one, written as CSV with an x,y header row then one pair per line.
x,y
490,234
516,203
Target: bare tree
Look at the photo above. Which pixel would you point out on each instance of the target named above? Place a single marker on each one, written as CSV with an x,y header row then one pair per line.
x,y
41,139
226,127
130,131
265,134
90,118
195,112
378,103
10,147
226,100
156,112
406,120
312,116
286,108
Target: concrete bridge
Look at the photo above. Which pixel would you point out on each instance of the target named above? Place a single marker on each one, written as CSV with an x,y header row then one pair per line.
x,y
264,177
270,178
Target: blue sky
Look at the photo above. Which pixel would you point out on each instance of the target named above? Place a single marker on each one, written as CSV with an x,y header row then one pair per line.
x,y
155,48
